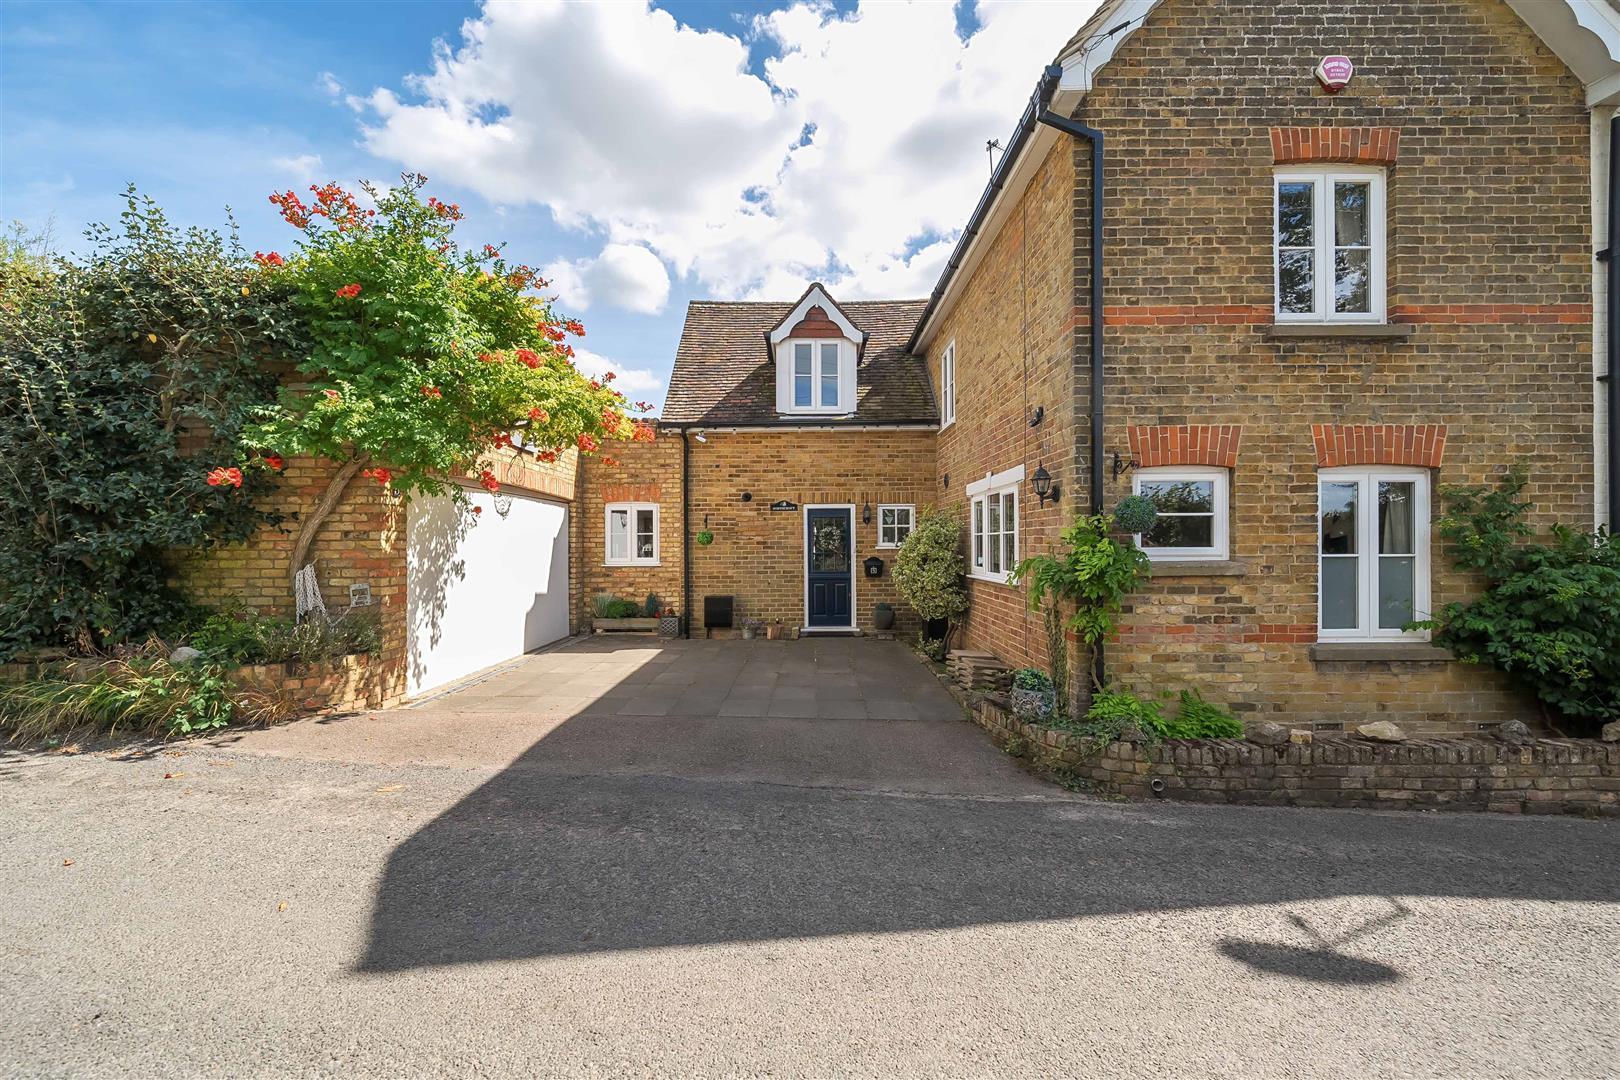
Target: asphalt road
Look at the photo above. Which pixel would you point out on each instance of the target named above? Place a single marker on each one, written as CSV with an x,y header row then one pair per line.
x,y
282,908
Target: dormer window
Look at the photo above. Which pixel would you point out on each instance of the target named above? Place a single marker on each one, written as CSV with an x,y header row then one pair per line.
x,y
816,374
815,349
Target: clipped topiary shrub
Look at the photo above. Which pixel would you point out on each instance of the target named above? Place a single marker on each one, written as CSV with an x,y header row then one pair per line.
x,y
1135,514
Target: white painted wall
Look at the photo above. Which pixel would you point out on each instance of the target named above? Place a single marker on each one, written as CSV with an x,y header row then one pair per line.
x,y
481,589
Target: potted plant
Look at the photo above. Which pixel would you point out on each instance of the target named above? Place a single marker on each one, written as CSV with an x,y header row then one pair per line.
x,y
883,616
929,572
751,628
613,615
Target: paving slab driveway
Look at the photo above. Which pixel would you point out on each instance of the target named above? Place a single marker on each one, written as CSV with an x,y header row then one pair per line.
x,y
833,712
532,878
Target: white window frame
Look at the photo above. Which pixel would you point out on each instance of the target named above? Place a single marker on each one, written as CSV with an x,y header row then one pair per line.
x,y
911,522
1322,235
947,386
1002,486
1219,550
787,377
631,509
1367,555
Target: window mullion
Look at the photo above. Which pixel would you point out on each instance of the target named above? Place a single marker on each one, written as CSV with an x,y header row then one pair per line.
x,y
1370,555
1324,247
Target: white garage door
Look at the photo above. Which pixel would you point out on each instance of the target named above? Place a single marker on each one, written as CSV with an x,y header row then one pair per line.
x,y
481,589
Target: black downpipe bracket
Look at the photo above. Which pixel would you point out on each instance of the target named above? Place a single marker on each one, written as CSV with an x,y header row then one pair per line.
x,y
1612,328
686,535
1095,138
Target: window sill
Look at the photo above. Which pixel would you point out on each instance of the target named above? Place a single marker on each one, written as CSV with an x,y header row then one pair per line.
x,y
989,580
1166,568
1395,652
632,565
1364,331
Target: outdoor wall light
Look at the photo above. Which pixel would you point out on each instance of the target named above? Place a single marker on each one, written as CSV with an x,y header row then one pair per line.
x,y
1044,487
1038,416
866,514
748,496
698,435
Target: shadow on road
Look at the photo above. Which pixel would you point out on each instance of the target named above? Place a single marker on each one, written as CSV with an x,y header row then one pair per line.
x,y
536,862
1316,965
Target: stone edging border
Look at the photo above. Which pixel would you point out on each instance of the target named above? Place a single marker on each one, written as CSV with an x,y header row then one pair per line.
x,y
1546,776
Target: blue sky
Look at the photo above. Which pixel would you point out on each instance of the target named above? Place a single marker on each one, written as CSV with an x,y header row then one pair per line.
x,y
647,155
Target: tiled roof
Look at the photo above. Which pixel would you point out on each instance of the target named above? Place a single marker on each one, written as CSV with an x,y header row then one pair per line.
x,y
724,374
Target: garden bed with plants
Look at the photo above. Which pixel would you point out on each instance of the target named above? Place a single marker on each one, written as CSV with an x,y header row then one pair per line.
x,y
1113,755
613,615
225,668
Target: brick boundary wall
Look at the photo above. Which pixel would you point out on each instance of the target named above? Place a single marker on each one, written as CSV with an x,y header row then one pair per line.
x,y
1547,776
341,684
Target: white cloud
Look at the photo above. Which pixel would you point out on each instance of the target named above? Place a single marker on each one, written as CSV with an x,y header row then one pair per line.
x,y
626,276
632,381
304,168
328,82
855,158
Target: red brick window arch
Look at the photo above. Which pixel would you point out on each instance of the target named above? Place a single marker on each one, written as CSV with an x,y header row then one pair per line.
x,y
1348,145
1418,445
1184,444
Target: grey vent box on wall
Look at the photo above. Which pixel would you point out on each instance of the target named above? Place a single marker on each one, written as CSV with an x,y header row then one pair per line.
x,y
716,612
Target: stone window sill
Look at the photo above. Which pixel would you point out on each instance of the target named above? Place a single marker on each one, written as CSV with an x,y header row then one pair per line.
x,y
1202,568
1396,652
1362,331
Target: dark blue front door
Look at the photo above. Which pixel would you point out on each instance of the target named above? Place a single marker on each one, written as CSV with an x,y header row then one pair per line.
x,y
830,568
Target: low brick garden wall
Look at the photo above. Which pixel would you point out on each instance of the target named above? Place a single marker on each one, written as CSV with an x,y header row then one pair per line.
x,y
1545,776
341,684
358,681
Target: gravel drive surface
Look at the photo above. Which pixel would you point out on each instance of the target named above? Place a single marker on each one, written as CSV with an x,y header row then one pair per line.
x,y
462,892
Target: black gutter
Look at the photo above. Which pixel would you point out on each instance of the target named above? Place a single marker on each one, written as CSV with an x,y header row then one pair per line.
x,y
1612,327
1009,158
1099,669
686,536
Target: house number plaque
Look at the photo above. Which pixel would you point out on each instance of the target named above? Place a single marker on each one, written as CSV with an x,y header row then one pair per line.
x,y
784,504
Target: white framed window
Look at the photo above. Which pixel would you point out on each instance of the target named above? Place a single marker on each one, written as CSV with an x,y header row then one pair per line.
x,y
1372,553
820,376
947,386
1192,506
632,534
993,524
1329,245
894,525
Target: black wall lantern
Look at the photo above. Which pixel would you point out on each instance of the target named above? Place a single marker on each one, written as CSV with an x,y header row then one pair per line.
x,y
866,514
1044,487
